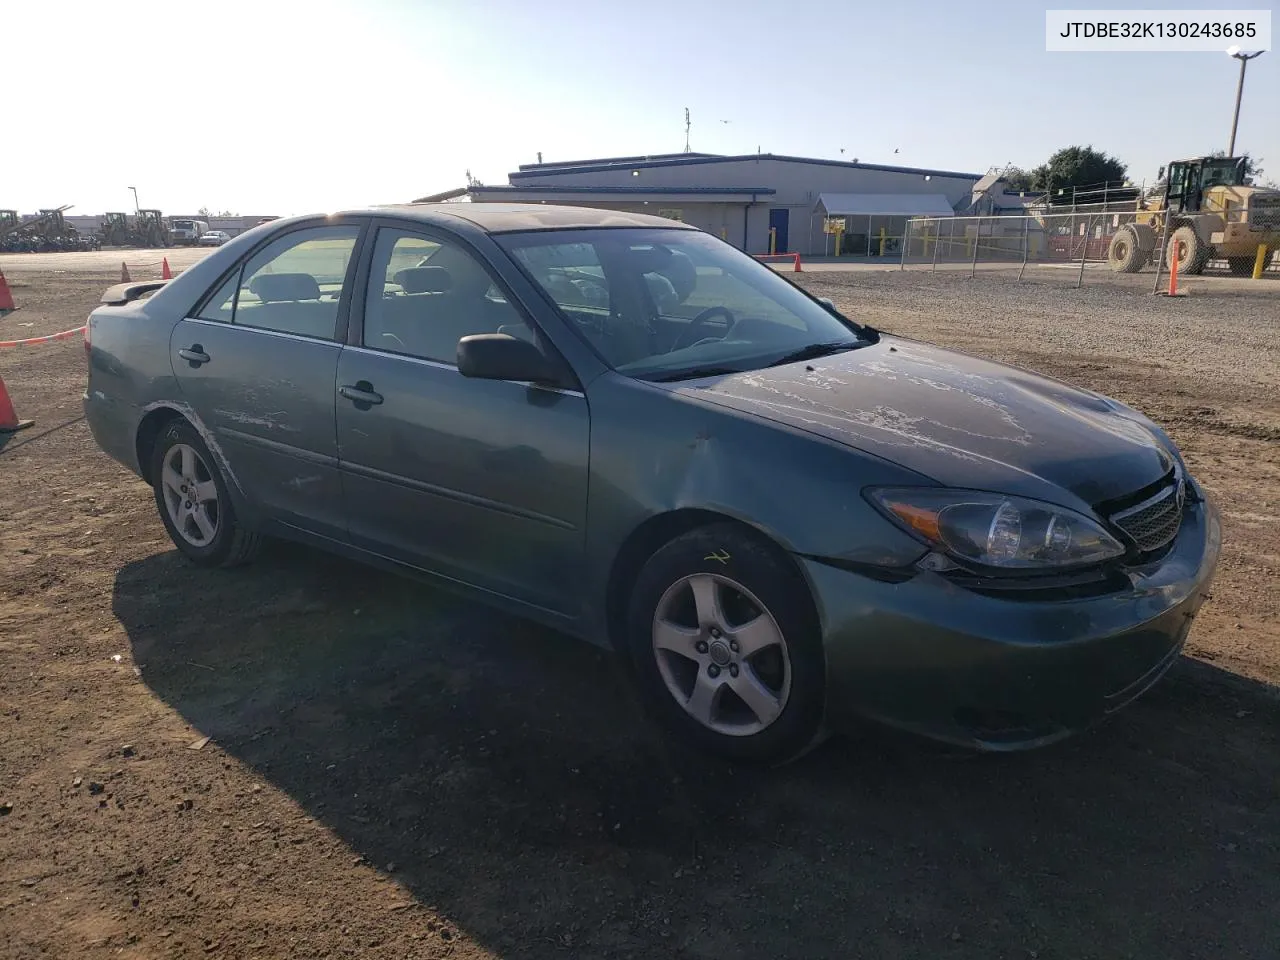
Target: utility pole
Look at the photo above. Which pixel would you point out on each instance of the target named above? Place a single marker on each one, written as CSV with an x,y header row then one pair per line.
x,y
687,124
1244,59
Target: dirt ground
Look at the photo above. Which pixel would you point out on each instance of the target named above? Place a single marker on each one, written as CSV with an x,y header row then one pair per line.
x,y
392,772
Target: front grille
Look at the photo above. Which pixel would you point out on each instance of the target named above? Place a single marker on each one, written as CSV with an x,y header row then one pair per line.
x,y
1264,214
1155,521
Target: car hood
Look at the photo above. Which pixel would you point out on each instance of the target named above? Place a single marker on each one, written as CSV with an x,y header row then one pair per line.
x,y
954,418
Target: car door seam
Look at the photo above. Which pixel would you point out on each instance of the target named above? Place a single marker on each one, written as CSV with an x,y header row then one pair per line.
x,y
450,494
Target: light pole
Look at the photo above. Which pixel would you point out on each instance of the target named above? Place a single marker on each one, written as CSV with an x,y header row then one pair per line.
x,y
1244,59
137,207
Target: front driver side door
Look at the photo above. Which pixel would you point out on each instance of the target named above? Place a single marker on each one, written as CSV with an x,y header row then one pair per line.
x,y
480,481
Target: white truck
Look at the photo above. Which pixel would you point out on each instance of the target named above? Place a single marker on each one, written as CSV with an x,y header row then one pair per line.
x,y
187,233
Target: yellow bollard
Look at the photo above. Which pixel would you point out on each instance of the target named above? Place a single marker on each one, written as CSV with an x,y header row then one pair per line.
x,y
1259,261
882,241
724,233
773,241
839,237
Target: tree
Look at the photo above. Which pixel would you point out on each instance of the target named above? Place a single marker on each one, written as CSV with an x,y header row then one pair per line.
x,y
204,213
1018,180
1078,167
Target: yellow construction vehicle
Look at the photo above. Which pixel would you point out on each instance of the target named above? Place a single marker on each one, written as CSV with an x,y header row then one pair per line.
x,y
1207,212
150,229
114,231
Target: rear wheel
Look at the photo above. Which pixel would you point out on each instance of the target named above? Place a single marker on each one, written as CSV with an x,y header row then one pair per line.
x,y
192,498
726,646
1125,255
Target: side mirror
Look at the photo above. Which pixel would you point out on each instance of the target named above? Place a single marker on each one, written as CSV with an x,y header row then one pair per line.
x,y
498,356
1160,175
829,304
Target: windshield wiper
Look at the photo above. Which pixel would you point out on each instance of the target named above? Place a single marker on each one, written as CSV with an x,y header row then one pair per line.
x,y
815,350
696,373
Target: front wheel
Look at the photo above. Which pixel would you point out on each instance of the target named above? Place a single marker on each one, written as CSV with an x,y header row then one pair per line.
x,y
192,498
1191,252
726,645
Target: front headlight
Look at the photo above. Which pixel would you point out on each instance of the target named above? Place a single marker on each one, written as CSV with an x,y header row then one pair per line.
x,y
993,530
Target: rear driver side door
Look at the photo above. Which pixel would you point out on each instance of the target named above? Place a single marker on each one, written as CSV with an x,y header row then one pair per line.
x,y
257,362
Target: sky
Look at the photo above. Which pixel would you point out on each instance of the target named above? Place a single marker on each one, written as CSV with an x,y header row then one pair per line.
x,y
279,107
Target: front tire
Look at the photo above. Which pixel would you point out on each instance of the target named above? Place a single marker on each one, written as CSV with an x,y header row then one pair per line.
x,y
193,501
727,647
1189,250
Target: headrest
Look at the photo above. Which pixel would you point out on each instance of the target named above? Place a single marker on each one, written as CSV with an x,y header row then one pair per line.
x,y
424,279
285,286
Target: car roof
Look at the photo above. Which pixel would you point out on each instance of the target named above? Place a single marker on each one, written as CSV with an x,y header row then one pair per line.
x,y
512,217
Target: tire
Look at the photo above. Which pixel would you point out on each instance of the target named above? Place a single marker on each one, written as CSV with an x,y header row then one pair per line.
x,y
209,535
1195,252
686,668
1125,254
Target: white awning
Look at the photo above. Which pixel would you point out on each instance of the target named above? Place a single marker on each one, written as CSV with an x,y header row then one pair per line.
x,y
885,205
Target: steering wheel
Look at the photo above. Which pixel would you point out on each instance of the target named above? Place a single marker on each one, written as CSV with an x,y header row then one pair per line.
x,y
701,321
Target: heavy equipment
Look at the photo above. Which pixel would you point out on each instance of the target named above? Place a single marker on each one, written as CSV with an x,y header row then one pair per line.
x,y
114,231
45,231
1207,211
150,229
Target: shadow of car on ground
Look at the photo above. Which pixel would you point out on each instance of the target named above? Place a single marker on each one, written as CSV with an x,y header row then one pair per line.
x,y
510,775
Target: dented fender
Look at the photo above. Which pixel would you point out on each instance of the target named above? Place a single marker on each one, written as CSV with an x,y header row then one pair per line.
x,y
801,491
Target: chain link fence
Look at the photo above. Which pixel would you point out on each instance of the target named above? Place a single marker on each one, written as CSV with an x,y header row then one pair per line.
x,y
1073,245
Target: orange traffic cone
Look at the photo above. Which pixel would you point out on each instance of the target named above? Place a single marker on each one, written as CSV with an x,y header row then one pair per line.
x,y
165,272
124,273
9,422
6,296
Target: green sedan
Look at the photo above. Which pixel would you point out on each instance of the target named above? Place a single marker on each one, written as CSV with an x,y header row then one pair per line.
x,y
784,521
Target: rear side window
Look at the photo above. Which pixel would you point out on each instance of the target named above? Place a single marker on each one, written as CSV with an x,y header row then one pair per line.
x,y
222,305
293,285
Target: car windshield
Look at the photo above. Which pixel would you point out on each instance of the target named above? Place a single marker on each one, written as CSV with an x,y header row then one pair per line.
x,y
667,304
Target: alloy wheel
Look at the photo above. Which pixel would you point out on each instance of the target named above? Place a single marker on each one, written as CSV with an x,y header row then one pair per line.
x,y
190,495
721,654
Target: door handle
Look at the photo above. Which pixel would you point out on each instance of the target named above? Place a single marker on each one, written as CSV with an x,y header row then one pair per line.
x,y
194,355
361,392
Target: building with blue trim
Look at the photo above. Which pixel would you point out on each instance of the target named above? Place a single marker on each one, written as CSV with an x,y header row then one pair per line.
x,y
747,199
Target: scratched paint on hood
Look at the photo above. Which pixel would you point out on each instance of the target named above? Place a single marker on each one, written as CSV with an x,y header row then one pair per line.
x,y
957,418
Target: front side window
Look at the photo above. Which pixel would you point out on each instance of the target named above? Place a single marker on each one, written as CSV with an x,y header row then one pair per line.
x,y
425,295
665,304
292,285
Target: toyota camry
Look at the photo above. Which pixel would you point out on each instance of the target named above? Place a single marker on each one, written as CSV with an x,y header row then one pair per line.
x,y
783,520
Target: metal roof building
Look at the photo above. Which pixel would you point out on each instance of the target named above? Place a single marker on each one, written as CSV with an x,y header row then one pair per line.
x,y
746,198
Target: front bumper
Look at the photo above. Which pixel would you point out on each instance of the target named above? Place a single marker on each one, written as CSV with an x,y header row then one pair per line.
x,y
938,660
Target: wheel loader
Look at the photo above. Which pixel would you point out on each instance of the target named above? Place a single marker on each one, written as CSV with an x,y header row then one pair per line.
x,y
114,231
150,229
1207,212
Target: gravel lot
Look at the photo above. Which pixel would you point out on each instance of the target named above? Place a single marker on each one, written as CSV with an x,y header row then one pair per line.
x,y
396,773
